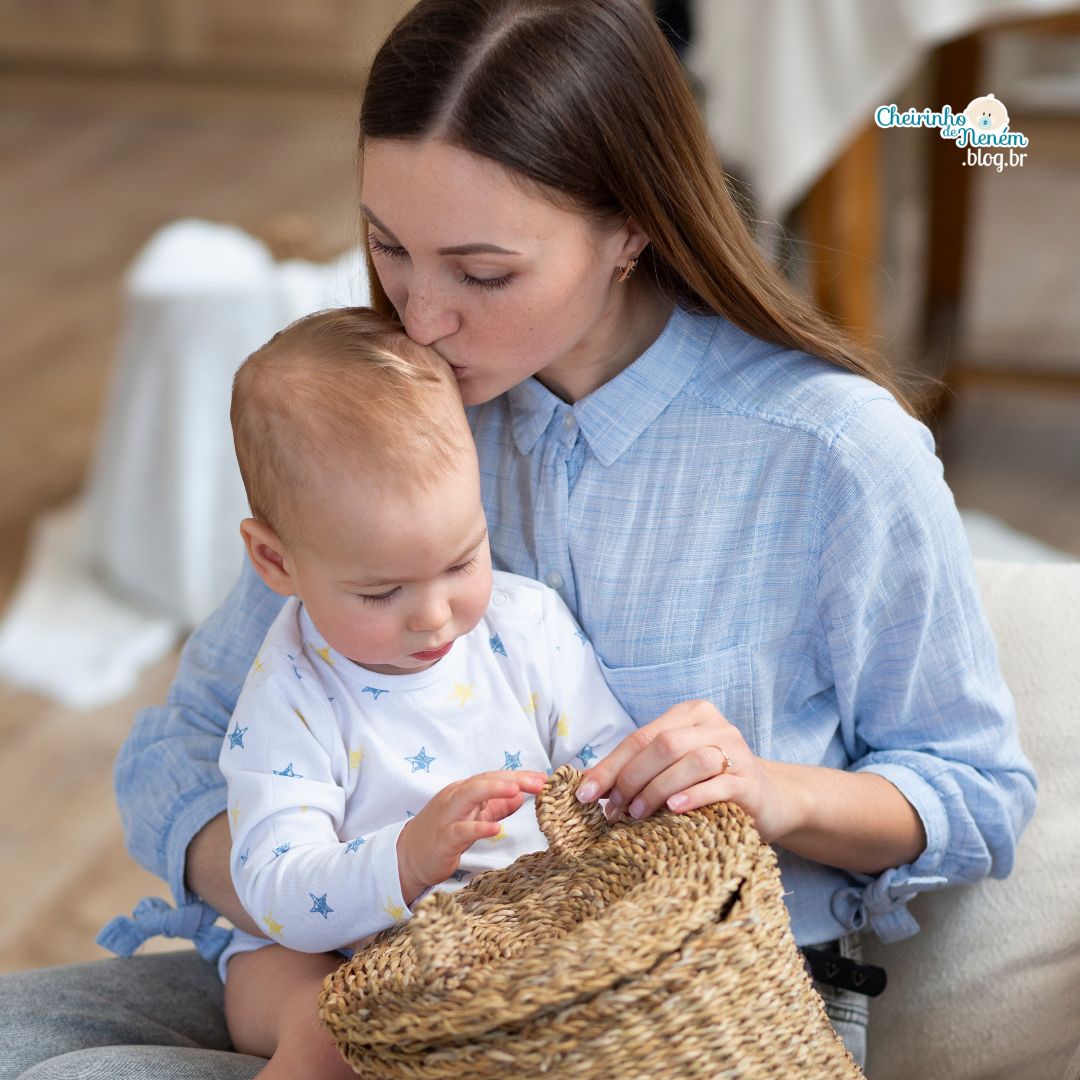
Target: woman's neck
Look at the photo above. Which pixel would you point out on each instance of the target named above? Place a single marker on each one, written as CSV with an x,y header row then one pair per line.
x,y
627,331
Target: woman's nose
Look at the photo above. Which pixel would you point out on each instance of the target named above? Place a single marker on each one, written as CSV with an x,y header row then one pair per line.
x,y
428,318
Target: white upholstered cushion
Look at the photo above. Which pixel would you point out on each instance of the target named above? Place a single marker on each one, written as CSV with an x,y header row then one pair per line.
x,y
990,989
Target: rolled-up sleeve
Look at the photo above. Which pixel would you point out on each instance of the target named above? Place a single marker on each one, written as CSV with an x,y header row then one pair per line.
x,y
168,784
920,694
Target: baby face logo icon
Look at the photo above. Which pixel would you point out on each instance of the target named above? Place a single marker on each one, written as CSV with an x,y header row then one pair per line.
x,y
987,114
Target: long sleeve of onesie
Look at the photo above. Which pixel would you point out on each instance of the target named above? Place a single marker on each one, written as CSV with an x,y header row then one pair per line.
x,y
312,888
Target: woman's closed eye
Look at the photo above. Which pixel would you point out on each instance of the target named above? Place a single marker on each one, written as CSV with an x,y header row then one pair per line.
x,y
379,248
392,252
487,283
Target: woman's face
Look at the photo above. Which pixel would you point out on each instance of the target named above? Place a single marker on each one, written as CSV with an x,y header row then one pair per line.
x,y
500,281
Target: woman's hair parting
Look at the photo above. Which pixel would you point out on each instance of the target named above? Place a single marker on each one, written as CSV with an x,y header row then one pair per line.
x,y
340,394
587,99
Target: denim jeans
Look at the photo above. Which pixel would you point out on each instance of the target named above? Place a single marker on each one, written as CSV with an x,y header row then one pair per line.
x,y
849,1012
161,1017
158,1017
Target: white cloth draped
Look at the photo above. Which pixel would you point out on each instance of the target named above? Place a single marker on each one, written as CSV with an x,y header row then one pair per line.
x,y
789,82
153,544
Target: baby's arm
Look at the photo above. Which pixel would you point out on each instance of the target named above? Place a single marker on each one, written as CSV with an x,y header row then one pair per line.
x,y
307,885
310,888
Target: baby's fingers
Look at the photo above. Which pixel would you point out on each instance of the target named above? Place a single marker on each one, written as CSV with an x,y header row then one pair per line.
x,y
463,834
507,784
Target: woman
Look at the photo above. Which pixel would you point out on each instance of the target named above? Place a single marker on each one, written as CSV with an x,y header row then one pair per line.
x,y
753,532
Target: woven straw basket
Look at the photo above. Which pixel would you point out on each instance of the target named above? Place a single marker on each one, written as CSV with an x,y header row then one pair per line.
x,y
656,947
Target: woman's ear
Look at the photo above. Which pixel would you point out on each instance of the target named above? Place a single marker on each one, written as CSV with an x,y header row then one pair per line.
x,y
268,555
634,240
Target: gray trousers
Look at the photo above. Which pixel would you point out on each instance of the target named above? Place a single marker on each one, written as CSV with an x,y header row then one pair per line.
x,y
162,1017
158,1017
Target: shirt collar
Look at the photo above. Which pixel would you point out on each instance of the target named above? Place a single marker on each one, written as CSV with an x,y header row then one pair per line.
x,y
613,416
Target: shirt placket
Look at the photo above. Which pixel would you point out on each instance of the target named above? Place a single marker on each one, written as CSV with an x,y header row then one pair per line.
x,y
552,544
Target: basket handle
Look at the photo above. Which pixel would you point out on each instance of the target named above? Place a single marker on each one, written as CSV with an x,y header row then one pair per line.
x,y
571,827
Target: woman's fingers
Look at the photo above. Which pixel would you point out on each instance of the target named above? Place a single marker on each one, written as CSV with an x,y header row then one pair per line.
x,y
693,736
600,779
696,759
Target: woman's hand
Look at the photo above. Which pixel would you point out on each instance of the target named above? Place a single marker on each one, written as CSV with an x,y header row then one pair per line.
x,y
688,757
691,756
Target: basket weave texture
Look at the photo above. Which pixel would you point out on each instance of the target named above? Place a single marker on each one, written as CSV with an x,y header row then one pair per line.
x,y
655,947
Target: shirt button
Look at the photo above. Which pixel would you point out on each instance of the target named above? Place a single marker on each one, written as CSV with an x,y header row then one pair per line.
x,y
554,580
499,598
568,421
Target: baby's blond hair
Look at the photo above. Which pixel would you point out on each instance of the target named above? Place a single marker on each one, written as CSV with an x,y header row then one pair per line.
x,y
340,393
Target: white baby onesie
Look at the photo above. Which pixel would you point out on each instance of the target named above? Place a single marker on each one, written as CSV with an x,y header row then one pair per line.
x,y
326,761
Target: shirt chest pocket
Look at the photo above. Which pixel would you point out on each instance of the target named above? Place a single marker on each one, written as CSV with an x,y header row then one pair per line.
x,y
724,678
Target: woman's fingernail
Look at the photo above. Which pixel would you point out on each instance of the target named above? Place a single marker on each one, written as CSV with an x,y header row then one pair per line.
x,y
617,799
589,790
677,802
637,808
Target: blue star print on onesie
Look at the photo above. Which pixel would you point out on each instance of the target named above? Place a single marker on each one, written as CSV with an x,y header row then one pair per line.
x,y
421,761
513,761
585,755
236,737
321,906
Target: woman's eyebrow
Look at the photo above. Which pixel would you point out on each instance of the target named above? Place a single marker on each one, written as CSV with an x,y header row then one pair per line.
x,y
457,249
477,249
376,222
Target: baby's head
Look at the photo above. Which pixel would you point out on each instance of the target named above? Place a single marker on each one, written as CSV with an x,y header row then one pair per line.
x,y
364,489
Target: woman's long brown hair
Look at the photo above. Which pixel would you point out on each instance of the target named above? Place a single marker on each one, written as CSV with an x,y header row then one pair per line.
x,y
587,99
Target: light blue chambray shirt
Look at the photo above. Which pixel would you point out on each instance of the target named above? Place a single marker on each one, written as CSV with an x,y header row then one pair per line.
x,y
732,521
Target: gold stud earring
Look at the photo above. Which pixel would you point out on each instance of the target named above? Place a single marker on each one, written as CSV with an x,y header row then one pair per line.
x,y
627,270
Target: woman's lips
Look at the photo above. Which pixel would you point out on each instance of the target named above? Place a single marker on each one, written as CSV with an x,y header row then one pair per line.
x,y
433,654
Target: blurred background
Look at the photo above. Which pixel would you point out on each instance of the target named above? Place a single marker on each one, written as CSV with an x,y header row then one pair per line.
x,y
119,118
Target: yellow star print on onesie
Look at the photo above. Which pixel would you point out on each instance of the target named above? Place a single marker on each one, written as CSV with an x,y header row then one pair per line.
x,y
463,693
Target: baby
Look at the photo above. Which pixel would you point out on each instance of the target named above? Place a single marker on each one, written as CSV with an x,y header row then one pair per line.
x,y
407,700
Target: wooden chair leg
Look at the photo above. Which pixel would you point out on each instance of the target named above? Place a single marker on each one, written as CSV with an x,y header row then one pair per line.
x,y
947,224
841,219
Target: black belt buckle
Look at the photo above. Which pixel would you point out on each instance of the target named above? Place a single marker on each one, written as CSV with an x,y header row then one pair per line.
x,y
827,966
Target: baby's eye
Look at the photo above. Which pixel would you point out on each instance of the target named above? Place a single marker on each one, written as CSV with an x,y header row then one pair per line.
x,y
380,598
379,248
464,568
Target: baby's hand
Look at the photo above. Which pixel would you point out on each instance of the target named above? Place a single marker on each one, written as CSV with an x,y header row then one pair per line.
x,y
432,843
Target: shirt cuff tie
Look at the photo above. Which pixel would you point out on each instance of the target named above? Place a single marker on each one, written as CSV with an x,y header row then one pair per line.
x,y
882,904
154,917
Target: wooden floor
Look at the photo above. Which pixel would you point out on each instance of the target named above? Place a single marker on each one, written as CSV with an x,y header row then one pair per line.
x,y
89,170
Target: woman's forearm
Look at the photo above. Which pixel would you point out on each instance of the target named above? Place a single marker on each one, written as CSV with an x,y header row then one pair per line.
x,y
207,874
856,821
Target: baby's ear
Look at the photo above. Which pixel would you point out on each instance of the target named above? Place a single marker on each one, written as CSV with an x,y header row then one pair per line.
x,y
268,555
